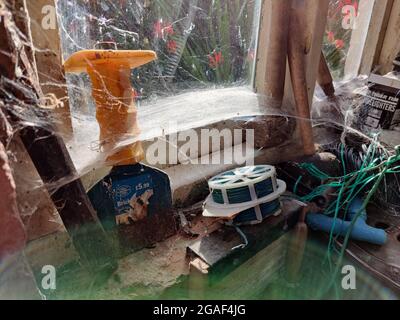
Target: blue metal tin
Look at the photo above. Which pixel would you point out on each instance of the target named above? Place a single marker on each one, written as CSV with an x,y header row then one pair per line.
x,y
135,202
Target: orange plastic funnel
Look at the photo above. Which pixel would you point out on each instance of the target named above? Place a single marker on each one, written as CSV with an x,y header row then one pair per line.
x,y
116,113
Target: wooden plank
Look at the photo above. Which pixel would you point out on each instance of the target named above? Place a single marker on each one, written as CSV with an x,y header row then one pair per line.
x,y
261,58
218,245
16,278
12,235
54,165
316,12
391,42
316,17
382,35
45,147
219,271
247,280
272,51
252,278
297,68
324,78
47,51
366,37
37,210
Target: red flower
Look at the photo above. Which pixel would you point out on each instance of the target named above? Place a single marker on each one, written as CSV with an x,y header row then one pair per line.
x,y
157,29
215,59
162,29
343,3
339,43
171,46
169,30
330,36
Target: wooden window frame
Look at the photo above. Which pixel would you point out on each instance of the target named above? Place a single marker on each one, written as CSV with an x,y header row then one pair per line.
x,y
375,40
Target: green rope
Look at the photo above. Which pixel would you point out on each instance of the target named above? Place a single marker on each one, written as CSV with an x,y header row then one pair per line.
x,y
346,188
297,184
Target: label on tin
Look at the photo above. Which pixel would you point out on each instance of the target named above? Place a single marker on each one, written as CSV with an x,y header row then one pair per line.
x,y
131,198
381,109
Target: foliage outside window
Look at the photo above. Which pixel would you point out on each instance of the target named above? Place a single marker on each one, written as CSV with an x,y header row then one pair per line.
x,y
199,43
341,21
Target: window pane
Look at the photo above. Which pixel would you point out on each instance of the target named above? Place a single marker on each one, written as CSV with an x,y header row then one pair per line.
x,y
206,51
340,24
199,43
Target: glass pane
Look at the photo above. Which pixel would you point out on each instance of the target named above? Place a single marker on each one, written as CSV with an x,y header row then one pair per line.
x,y
205,49
340,24
199,43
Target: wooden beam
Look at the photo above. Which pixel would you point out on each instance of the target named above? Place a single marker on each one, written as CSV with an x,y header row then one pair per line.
x,y
38,212
316,12
297,67
391,42
252,277
272,51
262,45
382,35
316,17
324,78
12,235
270,72
47,51
16,278
245,280
21,96
365,38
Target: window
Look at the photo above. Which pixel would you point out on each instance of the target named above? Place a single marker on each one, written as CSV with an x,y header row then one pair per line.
x,y
204,47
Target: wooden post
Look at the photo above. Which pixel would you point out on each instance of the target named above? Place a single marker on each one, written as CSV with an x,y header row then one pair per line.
x,y
316,14
12,234
391,43
272,52
270,75
47,52
314,21
21,95
297,67
16,278
365,37
269,67
324,78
